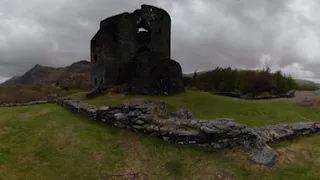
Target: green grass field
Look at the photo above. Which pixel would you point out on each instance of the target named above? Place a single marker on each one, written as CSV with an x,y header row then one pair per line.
x,y
208,106
49,142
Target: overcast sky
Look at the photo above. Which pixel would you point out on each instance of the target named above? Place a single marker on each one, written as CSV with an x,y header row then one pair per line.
x,y
283,34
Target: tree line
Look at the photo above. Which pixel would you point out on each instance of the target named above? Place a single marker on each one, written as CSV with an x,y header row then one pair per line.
x,y
247,82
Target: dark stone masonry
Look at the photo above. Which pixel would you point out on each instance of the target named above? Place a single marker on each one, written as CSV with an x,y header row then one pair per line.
x,y
135,49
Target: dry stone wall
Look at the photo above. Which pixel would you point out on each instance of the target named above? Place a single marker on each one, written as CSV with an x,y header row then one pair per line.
x,y
289,95
26,104
179,127
278,132
151,117
219,132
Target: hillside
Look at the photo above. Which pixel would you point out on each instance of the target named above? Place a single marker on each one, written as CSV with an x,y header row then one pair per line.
x,y
81,70
44,74
10,81
49,142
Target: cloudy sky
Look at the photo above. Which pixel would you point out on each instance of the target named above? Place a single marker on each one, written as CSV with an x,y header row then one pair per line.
x,y
283,34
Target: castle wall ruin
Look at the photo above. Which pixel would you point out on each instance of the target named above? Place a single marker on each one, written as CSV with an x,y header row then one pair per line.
x,y
119,39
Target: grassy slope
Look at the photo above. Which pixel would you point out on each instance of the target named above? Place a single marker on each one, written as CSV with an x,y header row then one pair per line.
x,y
207,106
48,142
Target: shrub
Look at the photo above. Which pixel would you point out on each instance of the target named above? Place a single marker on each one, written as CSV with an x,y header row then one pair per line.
x,y
27,93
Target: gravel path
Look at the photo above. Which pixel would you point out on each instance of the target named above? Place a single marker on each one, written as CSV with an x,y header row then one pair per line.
x,y
303,95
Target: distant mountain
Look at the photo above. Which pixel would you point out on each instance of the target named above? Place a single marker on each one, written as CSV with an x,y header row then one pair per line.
x,y
10,81
44,74
191,74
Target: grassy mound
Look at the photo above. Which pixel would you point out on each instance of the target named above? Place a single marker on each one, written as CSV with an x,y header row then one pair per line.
x,y
49,142
208,106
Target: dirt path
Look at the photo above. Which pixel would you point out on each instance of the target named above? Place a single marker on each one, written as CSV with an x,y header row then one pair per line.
x,y
305,95
301,96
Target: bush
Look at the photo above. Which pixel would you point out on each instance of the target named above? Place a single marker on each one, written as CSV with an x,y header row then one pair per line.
x,y
27,93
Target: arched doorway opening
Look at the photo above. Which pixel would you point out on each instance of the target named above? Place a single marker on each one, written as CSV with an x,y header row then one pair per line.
x,y
143,32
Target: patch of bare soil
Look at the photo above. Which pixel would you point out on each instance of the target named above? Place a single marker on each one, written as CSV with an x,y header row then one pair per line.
x,y
44,111
309,102
307,98
222,176
118,96
293,154
134,102
28,115
24,115
302,97
136,161
288,155
241,159
98,156
210,172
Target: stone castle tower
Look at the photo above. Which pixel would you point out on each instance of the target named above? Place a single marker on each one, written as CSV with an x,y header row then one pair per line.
x,y
131,48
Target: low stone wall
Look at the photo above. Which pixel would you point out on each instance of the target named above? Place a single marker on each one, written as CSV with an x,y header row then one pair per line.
x,y
282,96
220,132
53,100
26,104
152,118
279,132
179,127
289,95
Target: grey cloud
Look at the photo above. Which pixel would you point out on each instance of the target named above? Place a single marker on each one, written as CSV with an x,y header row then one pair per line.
x,y
205,33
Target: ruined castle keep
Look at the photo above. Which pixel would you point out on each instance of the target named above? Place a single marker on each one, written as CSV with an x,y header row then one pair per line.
x,y
134,49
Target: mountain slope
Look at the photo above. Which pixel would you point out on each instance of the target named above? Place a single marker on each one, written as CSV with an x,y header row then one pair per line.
x,y
10,81
45,74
